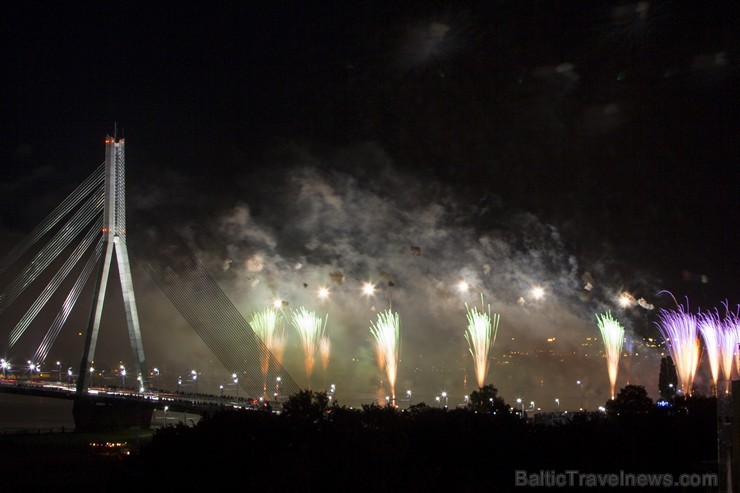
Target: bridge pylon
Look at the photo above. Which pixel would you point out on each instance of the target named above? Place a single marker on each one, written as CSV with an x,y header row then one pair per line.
x,y
114,247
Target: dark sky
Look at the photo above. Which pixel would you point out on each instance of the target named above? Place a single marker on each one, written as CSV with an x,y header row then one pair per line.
x,y
542,139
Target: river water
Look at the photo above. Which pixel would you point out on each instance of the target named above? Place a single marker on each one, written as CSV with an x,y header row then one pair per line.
x,y
32,413
23,412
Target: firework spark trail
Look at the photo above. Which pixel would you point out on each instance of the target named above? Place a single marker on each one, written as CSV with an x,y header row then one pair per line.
x,y
310,327
711,331
386,331
266,324
325,351
727,343
612,332
481,335
731,331
679,329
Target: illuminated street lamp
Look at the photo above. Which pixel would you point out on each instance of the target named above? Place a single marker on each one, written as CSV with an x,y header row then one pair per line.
x,y
579,383
436,398
59,370
277,387
447,400
179,382
194,374
408,394
519,401
123,376
164,419
236,384
5,365
156,373
69,375
92,372
221,387
557,403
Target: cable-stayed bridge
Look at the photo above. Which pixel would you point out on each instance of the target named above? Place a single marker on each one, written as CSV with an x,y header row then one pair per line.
x,y
94,216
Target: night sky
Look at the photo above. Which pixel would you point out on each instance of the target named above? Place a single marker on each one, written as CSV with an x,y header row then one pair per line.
x,y
416,144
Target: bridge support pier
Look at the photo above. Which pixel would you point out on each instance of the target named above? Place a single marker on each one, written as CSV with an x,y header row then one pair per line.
x,y
96,413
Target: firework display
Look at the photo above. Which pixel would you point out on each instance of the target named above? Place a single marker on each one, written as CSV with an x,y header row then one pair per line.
x,y
325,351
679,329
731,338
711,331
612,333
311,329
268,327
481,335
386,332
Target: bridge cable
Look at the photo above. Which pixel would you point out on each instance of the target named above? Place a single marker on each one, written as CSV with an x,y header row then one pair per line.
x,y
68,204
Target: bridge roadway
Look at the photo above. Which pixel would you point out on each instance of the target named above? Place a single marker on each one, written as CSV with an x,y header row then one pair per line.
x,y
138,406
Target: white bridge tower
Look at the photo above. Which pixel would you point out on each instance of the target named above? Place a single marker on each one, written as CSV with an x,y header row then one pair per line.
x,y
114,242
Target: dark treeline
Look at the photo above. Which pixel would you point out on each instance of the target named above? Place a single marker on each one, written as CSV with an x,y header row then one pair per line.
x,y
315,447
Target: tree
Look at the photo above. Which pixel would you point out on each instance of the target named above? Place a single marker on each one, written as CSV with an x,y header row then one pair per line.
x,y
487,400
631,400
306,404
667,379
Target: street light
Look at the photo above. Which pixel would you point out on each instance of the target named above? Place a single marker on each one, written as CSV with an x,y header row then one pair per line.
x,y
436,398
5,365
408,394
179,382
123,376
277,387
447,400
236,384
222,390
69,375
557,403
578,382
164,420
194,374
59,370
156,372
92,372
519,401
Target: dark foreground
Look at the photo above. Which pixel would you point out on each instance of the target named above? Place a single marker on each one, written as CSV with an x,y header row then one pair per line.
x,y
313,448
